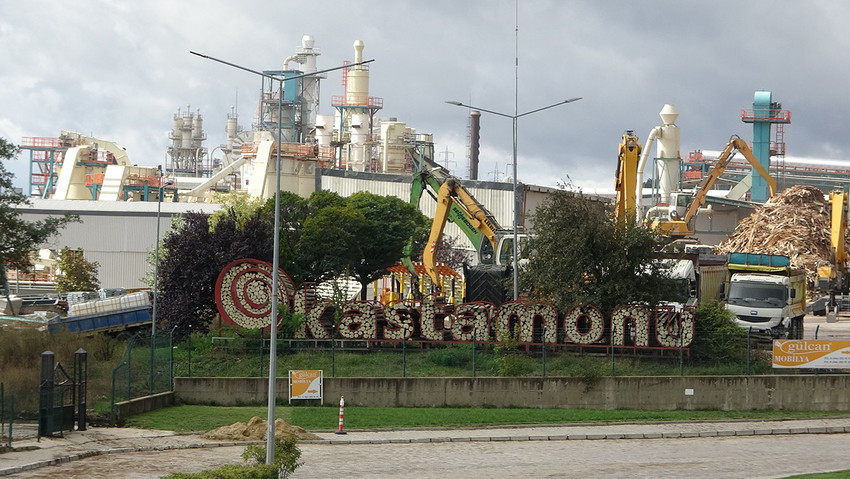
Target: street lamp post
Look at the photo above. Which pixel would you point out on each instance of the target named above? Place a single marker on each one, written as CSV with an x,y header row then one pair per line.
x,y
155,280
275,254
514,119
156,255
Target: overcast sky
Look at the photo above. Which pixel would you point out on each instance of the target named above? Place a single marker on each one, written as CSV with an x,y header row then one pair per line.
x,y
118,70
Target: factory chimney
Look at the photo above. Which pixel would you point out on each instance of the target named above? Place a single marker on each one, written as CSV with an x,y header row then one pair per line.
x,y
474,142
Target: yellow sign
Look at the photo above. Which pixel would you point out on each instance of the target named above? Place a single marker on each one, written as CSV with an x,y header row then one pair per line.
x,y
796,353
305,384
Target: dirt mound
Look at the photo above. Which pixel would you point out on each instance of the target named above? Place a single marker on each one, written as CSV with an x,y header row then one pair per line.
x,y
255,430
795,223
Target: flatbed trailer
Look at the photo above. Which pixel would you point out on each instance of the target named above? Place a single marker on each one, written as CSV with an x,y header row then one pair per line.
x,y
107,321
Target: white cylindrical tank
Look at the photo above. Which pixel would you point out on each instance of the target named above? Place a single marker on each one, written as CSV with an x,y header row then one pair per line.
x,y
324,129
668,161
669,140
393,147
357,84
176,135
197,129
307,56
359,137
308,63
186,130
232,127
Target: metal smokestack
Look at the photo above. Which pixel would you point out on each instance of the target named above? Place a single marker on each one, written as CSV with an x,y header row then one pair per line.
x,y
474,142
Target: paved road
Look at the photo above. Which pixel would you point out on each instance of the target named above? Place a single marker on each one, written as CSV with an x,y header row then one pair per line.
x,y
757,449
719,457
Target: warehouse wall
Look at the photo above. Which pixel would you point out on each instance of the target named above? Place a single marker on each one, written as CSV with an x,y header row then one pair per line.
x,y
118,235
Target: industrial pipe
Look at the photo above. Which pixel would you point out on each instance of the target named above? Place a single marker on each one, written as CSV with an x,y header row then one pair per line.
x,y
653,134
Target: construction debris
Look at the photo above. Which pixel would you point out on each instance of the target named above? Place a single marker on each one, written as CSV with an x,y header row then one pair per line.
x,y
794,223
255,430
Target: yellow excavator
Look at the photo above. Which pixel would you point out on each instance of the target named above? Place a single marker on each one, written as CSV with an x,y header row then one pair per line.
x,y
683,226
496,246
834,276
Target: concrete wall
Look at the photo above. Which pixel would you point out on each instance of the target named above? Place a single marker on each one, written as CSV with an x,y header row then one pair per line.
x,y
792,392
125,409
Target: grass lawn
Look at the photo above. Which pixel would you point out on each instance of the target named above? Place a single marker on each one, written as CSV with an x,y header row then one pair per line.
x,y
203,418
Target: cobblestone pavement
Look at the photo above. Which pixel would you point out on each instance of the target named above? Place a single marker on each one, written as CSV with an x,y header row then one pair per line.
x,y
766,449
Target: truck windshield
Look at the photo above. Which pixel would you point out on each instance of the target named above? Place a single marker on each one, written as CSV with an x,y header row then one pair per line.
x,y
757,295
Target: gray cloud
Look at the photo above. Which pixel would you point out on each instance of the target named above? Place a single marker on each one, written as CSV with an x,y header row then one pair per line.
x,y
120,70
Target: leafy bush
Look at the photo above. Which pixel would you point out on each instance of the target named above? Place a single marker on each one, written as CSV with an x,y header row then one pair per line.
x,y
286,455
508,359
452,356
718,339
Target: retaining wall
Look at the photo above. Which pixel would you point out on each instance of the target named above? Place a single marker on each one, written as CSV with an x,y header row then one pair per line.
x,y
792,392
125,409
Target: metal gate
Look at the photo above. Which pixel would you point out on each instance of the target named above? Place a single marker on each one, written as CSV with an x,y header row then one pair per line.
x,y
58,394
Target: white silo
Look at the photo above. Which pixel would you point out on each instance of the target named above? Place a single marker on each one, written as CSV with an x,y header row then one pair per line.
x,y
306,56
668,160
176,136
198,135
357,80
186,129
232,127
359,137
324,129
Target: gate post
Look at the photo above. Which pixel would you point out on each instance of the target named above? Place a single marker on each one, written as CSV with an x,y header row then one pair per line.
x,y
81,371
45,403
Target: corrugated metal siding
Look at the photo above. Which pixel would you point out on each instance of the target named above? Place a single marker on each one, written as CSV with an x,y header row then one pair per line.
x,y
120,269
117,239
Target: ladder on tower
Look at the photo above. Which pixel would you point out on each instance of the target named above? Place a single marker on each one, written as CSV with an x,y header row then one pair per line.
x,y
777,150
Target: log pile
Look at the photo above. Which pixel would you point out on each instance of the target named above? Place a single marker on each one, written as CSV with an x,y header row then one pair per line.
x,y
794,223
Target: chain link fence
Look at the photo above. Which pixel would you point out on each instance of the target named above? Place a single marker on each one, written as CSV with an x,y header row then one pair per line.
x,y
146,368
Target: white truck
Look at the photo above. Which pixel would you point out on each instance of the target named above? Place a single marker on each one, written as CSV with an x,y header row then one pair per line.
x,y
697,278
766,294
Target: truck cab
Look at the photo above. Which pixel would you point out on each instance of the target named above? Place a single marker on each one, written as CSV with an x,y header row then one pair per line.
x,y
766,294
760,301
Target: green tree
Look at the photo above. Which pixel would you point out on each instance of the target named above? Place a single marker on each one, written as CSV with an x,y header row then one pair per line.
x,y
361,238
237,205
718,339
76,273
18,238
581,256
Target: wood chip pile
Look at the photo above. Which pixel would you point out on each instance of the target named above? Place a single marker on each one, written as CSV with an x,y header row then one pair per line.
x,y
794,223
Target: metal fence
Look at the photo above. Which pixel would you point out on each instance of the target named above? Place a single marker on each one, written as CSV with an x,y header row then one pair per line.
x,y
215,356
146,368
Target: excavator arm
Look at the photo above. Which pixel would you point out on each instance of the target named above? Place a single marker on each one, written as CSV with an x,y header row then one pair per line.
x,y
684,227
625,185
453,195
426,181
833,276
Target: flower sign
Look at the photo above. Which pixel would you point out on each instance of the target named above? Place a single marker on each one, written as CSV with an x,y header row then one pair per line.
x,y
243,292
